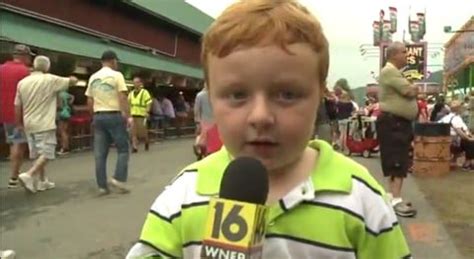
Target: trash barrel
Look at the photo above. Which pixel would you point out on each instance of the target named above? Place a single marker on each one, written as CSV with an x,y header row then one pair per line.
x,y
432,153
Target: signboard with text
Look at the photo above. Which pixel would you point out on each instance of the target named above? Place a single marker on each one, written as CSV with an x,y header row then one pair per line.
x,y
416,60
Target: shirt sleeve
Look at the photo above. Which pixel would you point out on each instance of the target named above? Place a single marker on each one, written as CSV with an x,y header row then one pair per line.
x,y
458,123
147,98
59,83
160,236
121,86
89,88
387,240
170,108
17,101
393,78
197,108
356,106
26,72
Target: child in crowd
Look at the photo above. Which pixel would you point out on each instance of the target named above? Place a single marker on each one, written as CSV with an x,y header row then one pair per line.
x,y
266,64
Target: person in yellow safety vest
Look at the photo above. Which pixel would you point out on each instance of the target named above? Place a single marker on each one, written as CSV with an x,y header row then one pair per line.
x,y
140,104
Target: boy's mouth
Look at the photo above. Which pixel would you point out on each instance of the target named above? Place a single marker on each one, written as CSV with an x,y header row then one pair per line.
x,y
262,148
262,142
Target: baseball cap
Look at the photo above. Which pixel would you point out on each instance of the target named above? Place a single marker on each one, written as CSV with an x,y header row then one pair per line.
x,y
21,49
109,55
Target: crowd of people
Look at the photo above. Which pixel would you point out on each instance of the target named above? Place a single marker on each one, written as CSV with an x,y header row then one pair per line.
x,y
395,110
37,108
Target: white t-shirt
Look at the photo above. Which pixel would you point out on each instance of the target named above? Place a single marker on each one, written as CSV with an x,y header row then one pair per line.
x,y
356,106
37,95
455,121
104,87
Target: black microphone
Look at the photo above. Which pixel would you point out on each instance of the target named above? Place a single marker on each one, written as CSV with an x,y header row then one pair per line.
x,y
237,219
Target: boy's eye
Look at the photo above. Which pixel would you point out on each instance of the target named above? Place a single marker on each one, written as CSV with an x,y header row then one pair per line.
x,y
287,95
237,96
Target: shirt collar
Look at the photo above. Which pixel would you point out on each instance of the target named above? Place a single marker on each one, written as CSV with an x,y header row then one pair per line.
x,y
391,64
327,176
15,62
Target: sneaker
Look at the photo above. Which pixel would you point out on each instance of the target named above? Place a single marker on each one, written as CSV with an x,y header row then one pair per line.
x,y
28,182
467,167
45,185
120,186
13,183
63,152
403,210
7,254
103,191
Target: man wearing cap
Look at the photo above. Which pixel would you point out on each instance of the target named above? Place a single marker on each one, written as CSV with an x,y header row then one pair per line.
x,y
11,72
107,99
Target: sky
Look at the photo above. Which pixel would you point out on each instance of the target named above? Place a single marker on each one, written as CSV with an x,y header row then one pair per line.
x,y
348,25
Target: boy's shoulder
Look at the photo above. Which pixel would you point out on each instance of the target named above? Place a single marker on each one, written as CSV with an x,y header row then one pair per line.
x,y
333,172
336,172
205,175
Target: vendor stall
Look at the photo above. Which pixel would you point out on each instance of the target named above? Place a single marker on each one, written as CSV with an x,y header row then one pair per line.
x,y
459,60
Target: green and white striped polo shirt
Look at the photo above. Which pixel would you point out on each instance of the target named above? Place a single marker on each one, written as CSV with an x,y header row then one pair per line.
x,y
339,212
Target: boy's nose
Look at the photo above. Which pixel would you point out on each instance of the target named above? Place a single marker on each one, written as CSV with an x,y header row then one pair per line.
x,y
261,116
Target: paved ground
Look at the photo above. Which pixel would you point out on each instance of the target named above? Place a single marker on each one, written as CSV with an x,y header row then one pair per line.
x,y
72,222
453,199
426,234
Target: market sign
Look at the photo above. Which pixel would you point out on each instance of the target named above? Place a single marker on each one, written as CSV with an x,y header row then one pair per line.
x,y
416,60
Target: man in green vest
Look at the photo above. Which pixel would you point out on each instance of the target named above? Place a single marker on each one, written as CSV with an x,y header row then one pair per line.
x,y
140,105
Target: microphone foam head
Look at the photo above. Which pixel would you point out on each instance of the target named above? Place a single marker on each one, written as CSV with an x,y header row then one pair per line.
x,y
245,179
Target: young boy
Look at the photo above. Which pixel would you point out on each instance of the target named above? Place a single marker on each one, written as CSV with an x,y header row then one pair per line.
x,y
266,64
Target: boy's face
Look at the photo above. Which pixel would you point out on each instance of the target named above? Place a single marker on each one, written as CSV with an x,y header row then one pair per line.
x,y
265,101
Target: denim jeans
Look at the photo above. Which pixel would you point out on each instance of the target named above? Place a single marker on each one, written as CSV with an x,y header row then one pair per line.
x,y
110,128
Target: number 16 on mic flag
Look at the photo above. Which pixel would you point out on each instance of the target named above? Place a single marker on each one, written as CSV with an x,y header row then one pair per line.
x,y
234,230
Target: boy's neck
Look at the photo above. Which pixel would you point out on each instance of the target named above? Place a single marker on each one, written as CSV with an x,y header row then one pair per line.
x,y
286,179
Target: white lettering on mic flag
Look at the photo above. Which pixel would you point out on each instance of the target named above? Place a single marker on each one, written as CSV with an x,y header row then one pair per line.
x,y
214,252
280,248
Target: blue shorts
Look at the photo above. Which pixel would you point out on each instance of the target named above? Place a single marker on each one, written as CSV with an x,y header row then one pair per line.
x,y
13,136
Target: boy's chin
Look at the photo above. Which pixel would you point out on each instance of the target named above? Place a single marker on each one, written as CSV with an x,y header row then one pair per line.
x,y
275,165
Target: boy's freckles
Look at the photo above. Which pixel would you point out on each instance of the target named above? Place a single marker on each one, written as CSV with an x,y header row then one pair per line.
x,y
265,101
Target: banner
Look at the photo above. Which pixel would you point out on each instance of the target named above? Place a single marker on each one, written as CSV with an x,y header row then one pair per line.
x,y
393,19
416,60
386,34
381,22
422,25
415,31
376,30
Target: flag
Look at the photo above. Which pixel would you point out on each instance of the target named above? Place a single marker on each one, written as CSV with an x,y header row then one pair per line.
x,y
393,19
376,30
386,34
415,31
381,19
422,24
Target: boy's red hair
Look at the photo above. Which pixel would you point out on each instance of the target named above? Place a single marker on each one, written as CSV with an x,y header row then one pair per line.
x,y
249,23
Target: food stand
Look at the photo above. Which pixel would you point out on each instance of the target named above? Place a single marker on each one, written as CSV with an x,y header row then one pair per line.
x,y
459,59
